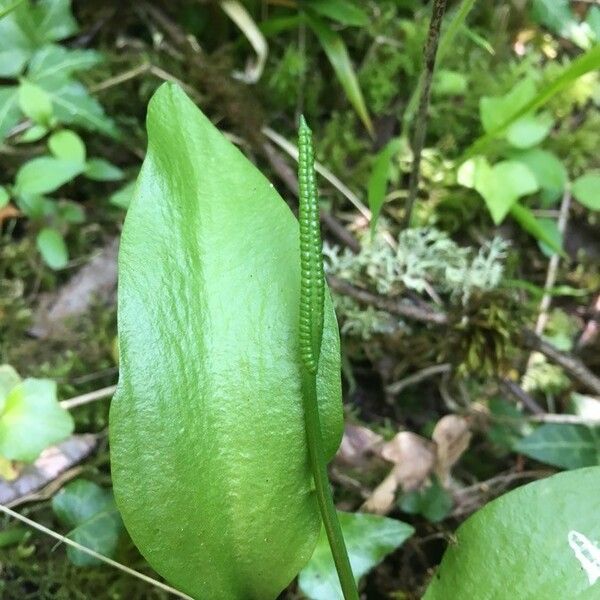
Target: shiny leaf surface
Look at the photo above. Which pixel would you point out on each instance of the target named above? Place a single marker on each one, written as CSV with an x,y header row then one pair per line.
x,y
209,459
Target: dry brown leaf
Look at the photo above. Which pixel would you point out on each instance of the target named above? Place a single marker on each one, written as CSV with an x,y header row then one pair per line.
x,y
8,212
51,466
414,459
358,445
452,437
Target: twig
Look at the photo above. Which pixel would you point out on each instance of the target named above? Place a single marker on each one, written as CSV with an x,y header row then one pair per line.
x,y
426,373
431,45
89,397
568,419
121,78
569,363
90,552
292,150
520,394
553,266
394,307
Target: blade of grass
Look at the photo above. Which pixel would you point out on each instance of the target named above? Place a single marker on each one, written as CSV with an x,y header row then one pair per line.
x,y
527,220
580,66
338,56
378,180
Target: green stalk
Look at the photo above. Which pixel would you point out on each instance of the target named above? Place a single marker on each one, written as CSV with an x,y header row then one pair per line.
x,y
324,497
312,292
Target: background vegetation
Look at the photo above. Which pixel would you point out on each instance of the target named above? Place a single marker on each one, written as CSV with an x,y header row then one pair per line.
x,y
470,335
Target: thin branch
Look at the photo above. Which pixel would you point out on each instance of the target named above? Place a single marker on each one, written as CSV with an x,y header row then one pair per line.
x,y
89,397
521,395
568,419
569,363
90,552
430,51
426,373
394,307
563,217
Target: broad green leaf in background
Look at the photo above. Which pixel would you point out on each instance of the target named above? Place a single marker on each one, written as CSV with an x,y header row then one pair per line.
x,y
378,179
563,445
31,420
369,539
91,512
30,26
9,378
9,109
70,212
99,169
539,230
45,174
35,102
449,83
45,20
53,64
589,61
535,542
67,145
74,106
585,406
593,21
208,344
434,502
586,190
52,247
500,185
551,232
4,196
33,134
345,12
122,197
495,110
337,53
549,172
529,130
558,16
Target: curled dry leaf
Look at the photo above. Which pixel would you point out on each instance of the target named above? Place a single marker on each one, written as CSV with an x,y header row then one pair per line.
x,y
414,458
359,444
452,437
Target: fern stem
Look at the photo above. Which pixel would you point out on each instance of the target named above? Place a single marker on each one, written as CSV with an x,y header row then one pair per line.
x,y
312,291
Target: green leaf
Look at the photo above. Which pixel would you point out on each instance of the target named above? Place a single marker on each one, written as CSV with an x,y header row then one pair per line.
x,y
67,145
534,542
15,47
495,110
566,446
342,11
586,190
552,232
122,197
529,130
35,102
557,16
45,21
593,21
583,64
210,376
434,502
52,247
74,106
369,539
9,378
4,196
337,53
500,185
449,83
91,511
45,174
378,179
532,225
549,172
31,420
70,212
99,169
52,64
9,109
33,134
